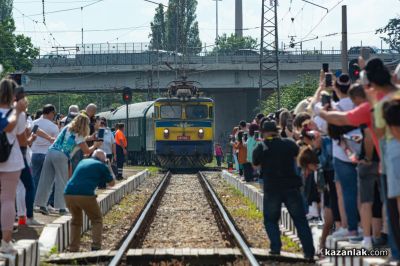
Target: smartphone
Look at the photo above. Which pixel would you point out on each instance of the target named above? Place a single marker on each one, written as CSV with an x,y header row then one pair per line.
x,y
328,80
19,93
325,99
245,136
257,134
35,128
100,134
325,67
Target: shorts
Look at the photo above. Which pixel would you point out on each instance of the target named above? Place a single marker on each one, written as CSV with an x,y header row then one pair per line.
x,y
392,158
368,175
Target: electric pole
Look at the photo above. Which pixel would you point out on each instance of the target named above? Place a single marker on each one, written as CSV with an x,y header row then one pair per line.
x,y
216,28
269,62
345,57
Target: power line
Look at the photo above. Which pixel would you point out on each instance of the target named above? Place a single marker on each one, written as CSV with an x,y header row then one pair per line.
x,y
320,21
55,2
66,9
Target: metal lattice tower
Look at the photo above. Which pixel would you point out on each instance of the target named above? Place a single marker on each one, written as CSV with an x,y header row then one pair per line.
x,y
269,62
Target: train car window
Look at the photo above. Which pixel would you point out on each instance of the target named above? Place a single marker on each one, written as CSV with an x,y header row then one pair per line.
x,y
171,111
210,112
156,112
196,111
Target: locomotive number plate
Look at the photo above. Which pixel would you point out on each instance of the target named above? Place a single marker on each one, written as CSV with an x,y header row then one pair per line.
x,y
183,138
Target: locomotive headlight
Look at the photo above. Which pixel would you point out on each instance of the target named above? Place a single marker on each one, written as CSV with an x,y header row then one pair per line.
x,y
201,133
166,133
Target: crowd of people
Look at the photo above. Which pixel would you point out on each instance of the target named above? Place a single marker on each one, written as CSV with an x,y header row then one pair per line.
x,y
333,159
51,163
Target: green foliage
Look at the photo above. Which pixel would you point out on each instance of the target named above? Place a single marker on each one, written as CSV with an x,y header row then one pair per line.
x,y
291,94
392,30
232,43
158,34
6,7
16,51
177,28
62,101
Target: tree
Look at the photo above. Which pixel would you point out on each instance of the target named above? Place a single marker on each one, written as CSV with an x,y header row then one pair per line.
x,y
16,51
232,43
157,35
62,101
291,94
177,28
392,29
6,7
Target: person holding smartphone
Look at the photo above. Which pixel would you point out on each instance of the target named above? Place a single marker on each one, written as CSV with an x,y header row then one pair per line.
x,y
105,135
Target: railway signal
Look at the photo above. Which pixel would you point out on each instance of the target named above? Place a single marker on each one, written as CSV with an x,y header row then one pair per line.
x,y
127,95
354,70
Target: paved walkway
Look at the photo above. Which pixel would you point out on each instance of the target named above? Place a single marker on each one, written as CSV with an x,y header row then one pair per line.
x,y
33,232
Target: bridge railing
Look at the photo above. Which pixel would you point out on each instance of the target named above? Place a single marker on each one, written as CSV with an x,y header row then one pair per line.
x,y
154,58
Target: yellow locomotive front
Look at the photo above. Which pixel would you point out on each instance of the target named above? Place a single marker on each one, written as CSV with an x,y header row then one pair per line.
x,y
183,131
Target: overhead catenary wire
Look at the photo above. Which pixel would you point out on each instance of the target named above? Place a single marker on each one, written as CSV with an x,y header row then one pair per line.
x,y
65,10
320,21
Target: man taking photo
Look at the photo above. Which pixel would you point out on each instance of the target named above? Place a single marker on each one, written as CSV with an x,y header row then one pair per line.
x,y
277,158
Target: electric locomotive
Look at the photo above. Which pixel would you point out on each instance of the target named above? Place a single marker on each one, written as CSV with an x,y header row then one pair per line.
x,y
174,132
184,124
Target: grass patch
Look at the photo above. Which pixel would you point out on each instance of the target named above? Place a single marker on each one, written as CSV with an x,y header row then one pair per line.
x,y
289,245
152,169
249,210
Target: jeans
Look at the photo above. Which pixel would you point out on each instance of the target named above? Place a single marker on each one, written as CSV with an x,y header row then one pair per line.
x,y
55,170
273,199
346,174
392,220
219,159
27,180
37,165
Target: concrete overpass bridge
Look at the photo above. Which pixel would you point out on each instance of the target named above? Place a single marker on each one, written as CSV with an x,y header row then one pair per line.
x,y
231,80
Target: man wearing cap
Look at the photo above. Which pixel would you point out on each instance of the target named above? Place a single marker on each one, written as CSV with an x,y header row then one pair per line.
x,y
277,158
80,196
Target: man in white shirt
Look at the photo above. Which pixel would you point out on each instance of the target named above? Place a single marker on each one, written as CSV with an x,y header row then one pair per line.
x,y
41,145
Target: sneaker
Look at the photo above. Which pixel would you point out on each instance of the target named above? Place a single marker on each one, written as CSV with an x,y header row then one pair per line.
x,y
380,242
7,248
274,253
63,212
44,210
355,239
51,209
366,244
32,221
341,232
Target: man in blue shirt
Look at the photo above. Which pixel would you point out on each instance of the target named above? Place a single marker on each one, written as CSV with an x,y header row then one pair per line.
x,y
80,196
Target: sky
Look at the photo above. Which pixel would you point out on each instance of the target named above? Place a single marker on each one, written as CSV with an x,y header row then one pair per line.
x,y
128,21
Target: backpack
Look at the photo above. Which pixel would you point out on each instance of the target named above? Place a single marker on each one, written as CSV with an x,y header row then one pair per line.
x,y
5,146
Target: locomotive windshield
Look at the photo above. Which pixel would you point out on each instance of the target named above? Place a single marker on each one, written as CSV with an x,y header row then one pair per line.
x,y
171,111
196,111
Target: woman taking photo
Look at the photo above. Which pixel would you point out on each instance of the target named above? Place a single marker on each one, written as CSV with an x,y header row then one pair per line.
x,y
55,166
11,163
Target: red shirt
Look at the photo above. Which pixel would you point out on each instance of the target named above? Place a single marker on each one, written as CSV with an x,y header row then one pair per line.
x,y
362,115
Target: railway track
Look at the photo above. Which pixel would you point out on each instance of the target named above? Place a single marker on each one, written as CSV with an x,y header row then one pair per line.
x,y
183,212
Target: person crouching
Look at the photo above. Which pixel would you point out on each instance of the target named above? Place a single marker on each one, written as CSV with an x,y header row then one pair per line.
x,y
80,196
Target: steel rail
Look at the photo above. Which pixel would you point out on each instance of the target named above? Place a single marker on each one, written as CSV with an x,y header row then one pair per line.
x,y
125,245
242,244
